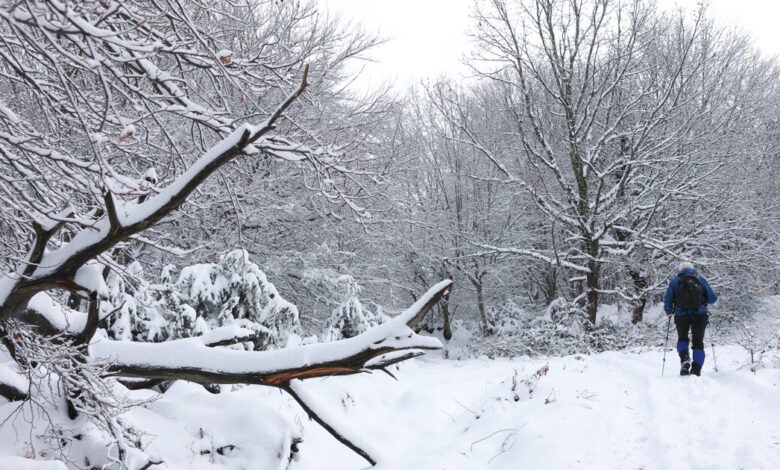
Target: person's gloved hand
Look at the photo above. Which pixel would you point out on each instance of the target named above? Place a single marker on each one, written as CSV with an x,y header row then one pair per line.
x,y
668,315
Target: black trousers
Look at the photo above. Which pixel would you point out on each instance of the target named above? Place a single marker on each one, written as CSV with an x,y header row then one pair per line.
x,y
696,324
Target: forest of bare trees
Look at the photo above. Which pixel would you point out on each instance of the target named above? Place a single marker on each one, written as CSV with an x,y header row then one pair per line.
x,y
601,143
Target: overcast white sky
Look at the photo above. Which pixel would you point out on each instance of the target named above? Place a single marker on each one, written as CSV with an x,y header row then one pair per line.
x,y
428,37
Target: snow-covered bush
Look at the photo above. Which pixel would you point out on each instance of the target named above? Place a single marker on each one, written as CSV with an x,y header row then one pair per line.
x,y
507,316
561,329
350,318
753,324
125,294
236,290
203,297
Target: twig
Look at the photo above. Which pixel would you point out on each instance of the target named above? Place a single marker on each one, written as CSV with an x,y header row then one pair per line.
x,y
489,436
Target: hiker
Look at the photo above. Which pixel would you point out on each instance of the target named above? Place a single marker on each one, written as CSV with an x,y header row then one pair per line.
x,y
687,297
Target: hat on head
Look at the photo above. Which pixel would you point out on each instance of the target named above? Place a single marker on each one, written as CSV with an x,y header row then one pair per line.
x,y
685,265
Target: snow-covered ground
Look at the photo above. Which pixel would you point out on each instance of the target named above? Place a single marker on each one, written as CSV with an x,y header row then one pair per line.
x,y
610,410
601,411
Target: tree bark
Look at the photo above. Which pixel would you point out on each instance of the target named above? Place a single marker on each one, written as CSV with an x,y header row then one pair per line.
x,y
11,392
592,285
445,313
638,308
483,320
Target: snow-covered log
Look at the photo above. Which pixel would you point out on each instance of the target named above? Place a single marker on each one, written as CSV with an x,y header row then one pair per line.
x,y
187,359
222,336
13,386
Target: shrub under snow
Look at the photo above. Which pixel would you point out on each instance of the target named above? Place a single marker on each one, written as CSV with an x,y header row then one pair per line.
x,y
350,318
233,291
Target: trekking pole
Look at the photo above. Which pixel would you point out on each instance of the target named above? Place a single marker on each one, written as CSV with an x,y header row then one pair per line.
x,y
715,362
712,344
666,344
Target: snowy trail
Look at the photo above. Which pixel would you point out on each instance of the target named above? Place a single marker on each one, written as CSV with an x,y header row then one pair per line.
x,y
611,410
606,411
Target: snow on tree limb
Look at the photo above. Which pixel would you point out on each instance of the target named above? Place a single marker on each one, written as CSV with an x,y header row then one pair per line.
x,y
533,254
13,386
51,317
189,360
46,270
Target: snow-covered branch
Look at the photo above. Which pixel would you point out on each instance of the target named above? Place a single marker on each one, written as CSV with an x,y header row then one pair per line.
x,y
57,268
13,385
187,359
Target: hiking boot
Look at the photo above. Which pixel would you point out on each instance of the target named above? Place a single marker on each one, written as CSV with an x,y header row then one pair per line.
x,y
696,369
685,363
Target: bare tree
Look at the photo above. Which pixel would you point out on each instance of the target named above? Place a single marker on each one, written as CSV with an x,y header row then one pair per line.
x,y
113,114
455,196
610,113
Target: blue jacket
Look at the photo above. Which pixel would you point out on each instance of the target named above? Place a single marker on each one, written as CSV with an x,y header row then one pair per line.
x,y
671,294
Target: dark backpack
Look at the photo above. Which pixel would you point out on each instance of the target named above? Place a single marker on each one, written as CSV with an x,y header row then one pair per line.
x,y
690,292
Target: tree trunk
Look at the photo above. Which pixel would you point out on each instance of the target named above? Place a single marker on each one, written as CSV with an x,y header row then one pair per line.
x,y
483,320
445,313
640,282
592,286
550,285
638,310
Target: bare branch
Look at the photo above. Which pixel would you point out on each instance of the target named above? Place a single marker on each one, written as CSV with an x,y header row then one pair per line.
x,y
295,390
63,263
93,319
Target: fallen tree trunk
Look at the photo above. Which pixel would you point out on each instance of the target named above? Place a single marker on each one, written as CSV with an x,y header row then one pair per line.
x,y
189,360
197,360
223,336
384,345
